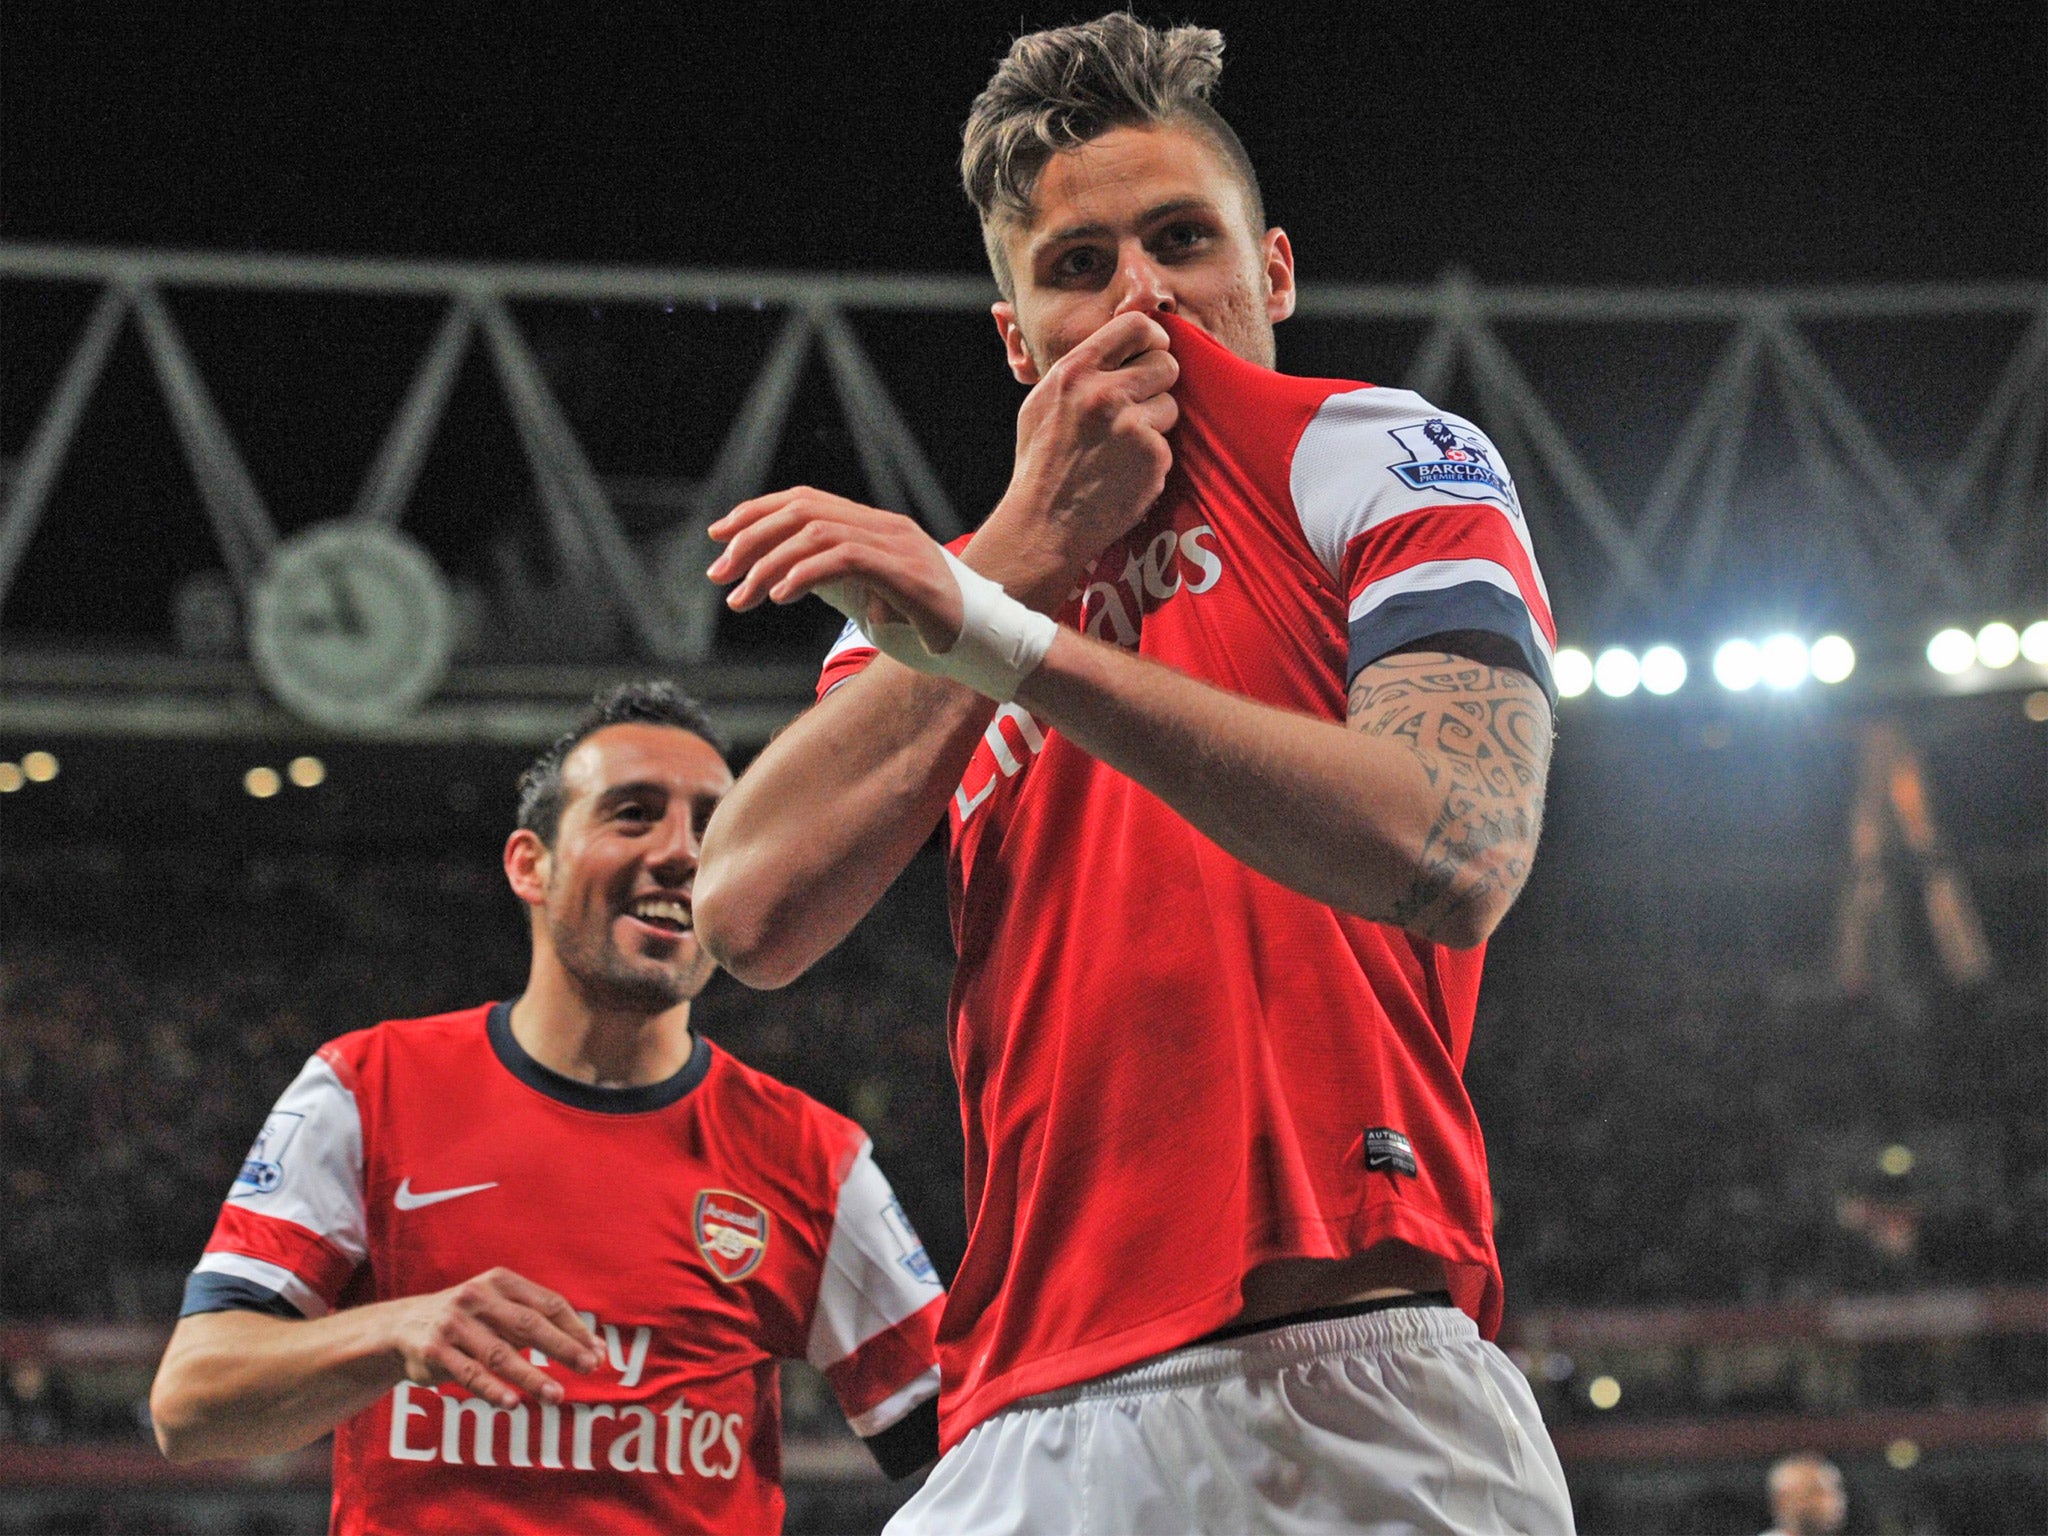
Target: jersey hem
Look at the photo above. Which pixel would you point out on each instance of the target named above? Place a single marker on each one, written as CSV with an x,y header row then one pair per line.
x,y
1119,1351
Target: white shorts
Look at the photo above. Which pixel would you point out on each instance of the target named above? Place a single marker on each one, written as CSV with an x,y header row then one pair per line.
x,y
1396,1421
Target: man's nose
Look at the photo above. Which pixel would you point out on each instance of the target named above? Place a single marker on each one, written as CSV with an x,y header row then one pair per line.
x,y
675,847
1142,286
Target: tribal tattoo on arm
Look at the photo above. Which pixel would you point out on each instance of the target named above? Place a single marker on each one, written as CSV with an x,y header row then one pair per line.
x,y
1482,734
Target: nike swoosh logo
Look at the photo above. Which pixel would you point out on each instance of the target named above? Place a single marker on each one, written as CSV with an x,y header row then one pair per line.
x,y
406,1200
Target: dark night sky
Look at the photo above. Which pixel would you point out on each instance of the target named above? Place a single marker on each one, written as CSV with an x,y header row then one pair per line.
x,y
1592,142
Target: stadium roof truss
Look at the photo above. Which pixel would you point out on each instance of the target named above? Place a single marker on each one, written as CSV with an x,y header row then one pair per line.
x,y
1961,538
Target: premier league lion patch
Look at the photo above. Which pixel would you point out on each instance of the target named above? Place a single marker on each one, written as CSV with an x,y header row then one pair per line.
x,y
1453,460
731,1233
263,1169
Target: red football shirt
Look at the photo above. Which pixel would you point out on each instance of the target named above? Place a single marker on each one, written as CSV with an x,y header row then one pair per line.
x,y
1171,1068
707,1227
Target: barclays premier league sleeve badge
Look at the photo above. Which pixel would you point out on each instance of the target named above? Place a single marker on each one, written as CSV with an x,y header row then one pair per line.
x,y
263,1169
1451,459
731,1233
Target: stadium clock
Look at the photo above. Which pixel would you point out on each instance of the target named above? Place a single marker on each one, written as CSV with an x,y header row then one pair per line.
x,y
351,625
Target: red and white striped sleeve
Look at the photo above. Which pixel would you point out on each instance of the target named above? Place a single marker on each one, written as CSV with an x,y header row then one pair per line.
x,y
292,1229
1413,513
874,1333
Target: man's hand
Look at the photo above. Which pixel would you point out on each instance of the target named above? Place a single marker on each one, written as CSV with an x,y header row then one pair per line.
x,y
1092,457
883,566
473,1334
249,1384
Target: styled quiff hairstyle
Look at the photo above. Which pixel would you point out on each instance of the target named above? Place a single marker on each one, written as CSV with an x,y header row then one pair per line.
x,y
1059,89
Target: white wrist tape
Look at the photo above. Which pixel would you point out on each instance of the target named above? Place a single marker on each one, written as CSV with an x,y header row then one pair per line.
x,y
1001,641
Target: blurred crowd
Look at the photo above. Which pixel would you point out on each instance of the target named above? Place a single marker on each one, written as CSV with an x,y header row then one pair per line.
x,y
1655,1137
153,1005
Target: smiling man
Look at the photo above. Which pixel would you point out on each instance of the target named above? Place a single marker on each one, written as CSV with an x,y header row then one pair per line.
x,y
1237,710
535,1262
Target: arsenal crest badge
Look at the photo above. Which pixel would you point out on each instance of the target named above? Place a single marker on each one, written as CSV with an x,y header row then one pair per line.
x,y
731,1233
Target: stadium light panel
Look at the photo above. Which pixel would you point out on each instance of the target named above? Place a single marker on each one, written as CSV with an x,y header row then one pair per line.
x,y
1952,651
1572,670
39,767
262,783
1781,661
1617,672
1663,669
1737,666
306,772
1832,658
1998,645
2034,642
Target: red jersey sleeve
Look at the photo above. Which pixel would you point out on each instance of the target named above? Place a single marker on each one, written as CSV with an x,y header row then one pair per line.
x,y
874,1333
1412,511
292,1229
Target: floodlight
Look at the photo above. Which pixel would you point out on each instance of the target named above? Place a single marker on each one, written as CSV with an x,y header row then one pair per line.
x,y
1737,666
1663,669
1782,662
2034,642
262,783
1572,669
1617,672
1952,651
1998,645
1832,658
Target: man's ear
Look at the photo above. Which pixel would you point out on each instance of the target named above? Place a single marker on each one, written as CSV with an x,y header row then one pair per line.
x,y
1022,366
527,862
1280,292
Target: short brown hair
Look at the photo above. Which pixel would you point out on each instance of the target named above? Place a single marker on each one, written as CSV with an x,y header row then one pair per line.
x,y
653,702
1058,89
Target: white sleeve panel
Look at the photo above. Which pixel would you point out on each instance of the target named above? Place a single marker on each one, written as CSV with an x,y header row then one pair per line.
x,y
306,1165
876,1272
1373,454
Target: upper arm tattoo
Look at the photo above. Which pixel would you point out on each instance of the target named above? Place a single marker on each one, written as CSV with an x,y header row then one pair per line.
x,y
1482,735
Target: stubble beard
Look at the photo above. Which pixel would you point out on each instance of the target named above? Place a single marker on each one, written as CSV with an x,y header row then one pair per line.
x,y
613,981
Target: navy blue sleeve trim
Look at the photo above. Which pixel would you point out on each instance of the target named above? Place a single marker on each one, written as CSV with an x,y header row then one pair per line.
x,y
209,1292
910,1443
1410,616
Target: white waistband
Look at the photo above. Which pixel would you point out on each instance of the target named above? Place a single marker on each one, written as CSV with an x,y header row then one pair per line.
x,y
1270,1349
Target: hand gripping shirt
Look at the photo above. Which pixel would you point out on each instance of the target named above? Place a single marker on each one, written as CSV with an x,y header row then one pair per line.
x,y
705,1227
1173,1069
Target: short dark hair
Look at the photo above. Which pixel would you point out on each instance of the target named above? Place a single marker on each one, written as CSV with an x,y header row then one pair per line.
x,y
653,702
1064,87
